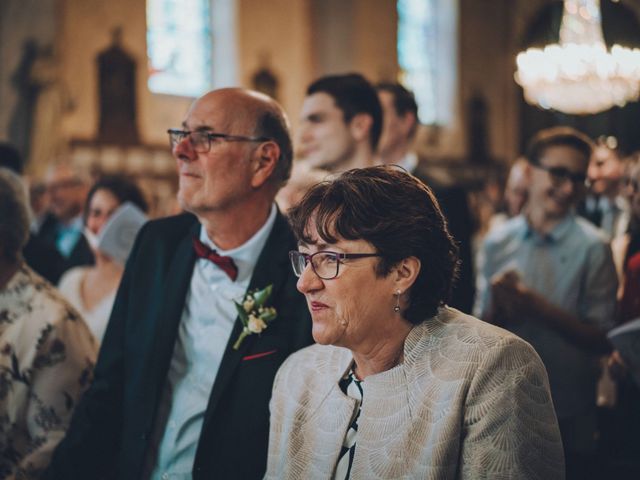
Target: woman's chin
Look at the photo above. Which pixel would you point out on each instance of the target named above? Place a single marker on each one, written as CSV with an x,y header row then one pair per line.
x,y
320,334
320,337
324,334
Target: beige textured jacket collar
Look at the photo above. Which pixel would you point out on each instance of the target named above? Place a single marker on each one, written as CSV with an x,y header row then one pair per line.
x,y
470,400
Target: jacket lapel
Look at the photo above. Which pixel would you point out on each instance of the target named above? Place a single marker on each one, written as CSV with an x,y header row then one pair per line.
x,y
271,269
176,286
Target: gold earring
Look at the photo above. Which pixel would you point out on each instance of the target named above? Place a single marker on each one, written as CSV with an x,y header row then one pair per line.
x,y
397,307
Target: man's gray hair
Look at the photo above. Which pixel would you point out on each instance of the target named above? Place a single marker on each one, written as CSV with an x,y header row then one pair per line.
x,y
14,215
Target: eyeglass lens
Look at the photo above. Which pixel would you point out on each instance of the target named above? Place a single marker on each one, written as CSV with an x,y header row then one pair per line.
x,y
324,264
200,141
561,174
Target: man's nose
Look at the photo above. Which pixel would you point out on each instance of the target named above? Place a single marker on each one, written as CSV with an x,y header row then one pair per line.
x,y
183,150
569,186
304,132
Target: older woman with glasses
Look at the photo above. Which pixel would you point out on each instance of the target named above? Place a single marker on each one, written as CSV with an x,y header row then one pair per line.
x,y
400,385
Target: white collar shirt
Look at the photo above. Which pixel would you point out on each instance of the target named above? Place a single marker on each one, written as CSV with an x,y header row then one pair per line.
x,y
205,327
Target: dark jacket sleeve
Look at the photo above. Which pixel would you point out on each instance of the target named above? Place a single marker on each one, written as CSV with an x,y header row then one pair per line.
x,y
92,440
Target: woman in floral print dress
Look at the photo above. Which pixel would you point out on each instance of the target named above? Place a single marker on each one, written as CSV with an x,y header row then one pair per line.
x,y
47,352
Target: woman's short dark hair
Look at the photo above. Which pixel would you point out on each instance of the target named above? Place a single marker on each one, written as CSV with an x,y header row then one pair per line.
x,y
122,187
558,137
398,215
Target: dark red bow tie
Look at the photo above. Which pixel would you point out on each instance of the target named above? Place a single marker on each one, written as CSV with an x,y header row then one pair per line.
x,y
225,263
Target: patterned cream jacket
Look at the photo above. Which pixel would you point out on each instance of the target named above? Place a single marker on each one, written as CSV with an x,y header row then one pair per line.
x,y
46,360
469,401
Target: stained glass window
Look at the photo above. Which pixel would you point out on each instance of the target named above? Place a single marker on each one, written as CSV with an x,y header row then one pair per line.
x,y
427,55
179,46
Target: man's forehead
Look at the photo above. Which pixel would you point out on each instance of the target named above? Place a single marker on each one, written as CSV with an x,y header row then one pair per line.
x,y
210,115
603,154
319,103
61,173
564,156
386,99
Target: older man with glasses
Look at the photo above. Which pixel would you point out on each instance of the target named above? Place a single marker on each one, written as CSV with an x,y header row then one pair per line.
x,y
206,312
548,276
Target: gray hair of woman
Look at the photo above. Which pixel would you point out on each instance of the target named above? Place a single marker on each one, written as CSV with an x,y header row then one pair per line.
x,y
14,216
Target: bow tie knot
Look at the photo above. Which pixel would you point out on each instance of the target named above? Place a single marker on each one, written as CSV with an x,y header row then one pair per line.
x,y
225,263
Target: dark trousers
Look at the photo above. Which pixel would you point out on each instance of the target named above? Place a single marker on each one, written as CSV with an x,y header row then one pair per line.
x,y
619,429
584,464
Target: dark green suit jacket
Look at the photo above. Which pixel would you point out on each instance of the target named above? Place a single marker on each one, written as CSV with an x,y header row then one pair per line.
x,y
110,431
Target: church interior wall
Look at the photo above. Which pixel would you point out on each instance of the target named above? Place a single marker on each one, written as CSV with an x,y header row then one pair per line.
x,y
20,21
296,40
275,36
87,31
486,69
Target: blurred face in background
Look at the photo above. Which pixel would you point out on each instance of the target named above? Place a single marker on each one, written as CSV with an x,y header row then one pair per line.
x,y
39,198
397,129
632,189
558,182
67,193
325,139
515,192
101,206
605,172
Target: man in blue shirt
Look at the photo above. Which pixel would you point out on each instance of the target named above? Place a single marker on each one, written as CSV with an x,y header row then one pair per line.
x,y
62,227
548,276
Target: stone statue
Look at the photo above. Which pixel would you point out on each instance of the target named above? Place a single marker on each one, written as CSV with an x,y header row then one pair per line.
x,y
53,102
117,92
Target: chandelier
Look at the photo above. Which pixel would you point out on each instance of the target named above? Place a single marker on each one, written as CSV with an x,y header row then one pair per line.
x,y
579,75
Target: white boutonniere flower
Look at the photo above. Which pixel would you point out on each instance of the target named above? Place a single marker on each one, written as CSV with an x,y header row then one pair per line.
x,y
254,313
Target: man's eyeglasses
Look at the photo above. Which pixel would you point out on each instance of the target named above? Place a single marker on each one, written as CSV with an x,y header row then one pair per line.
x,y
200,140
64,184
325,264
559,175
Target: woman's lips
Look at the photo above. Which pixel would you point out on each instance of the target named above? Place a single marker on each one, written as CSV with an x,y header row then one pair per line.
x,y
317,306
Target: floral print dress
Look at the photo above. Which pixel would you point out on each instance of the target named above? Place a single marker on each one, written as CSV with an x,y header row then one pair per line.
x,y
47,354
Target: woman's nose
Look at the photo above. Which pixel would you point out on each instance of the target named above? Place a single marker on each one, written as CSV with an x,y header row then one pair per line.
x,y
95,224
308,280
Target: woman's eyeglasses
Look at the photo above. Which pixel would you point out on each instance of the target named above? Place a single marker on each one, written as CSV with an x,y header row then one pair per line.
x,y
325,264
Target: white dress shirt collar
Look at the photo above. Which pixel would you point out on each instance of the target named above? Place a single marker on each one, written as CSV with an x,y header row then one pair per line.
x,y
246,255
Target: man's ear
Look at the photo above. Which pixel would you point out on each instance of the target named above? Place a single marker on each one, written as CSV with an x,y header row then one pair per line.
x,y
265,160
406,272
408,122
360,126
527,173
